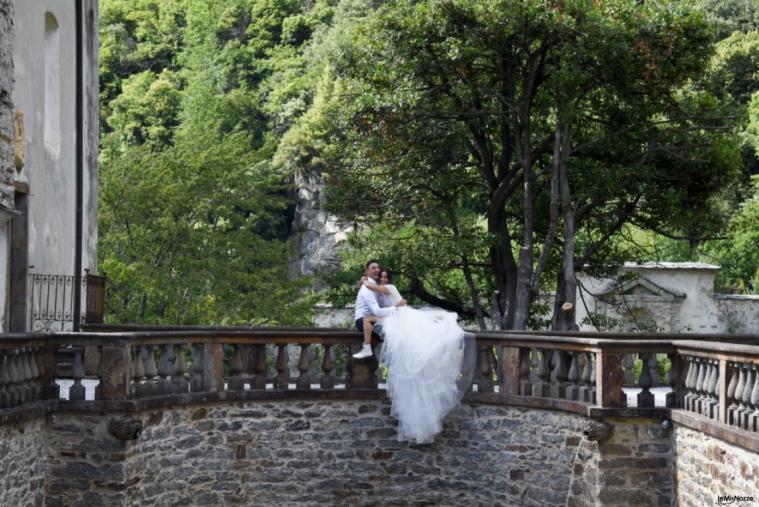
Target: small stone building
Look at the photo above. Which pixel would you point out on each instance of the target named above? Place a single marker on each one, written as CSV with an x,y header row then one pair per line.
x,y
41,151
671,297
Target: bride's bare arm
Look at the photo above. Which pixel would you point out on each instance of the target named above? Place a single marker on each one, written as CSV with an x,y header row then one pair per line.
x,y
376,288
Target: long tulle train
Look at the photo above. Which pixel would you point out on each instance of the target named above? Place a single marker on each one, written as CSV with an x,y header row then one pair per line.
x,y
423,351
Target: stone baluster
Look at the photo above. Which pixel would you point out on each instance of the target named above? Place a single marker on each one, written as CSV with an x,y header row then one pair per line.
x,y
196,379
713,390
541,388
754,402
5,380
689,382
328,369
711,373
588,391
730,393
628,364
29,375
696,368
734,414
573,376
583,360
703,402
485,370
282,379
13,389
700,387
181,385
259,367
645,381
745,412
25,376
77,391
152,385
304,363
698,373
36,373
525,386
237,381
670,399
138,371
34,385
166,370
558,376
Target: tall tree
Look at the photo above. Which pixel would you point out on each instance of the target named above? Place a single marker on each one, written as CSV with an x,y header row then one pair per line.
x,y
193,216
543,125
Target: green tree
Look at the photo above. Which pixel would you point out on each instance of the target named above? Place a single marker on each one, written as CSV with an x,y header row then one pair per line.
x,y
523,135
194,218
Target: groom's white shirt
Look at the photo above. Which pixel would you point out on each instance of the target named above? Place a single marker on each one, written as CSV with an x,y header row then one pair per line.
x,y
367,304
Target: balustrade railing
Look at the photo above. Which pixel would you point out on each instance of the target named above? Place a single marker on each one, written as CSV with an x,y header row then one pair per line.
x,y
714,381
26,367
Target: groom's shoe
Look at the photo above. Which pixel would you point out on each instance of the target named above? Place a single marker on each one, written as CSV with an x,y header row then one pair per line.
x,y
366,351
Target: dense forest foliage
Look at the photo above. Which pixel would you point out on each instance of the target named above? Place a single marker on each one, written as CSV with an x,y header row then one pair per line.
x,y
484,148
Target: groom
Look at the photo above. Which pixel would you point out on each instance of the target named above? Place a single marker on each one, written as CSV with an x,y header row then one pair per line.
x,y
367,304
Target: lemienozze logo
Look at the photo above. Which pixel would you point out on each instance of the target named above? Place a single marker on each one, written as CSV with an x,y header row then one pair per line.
x,y
730,499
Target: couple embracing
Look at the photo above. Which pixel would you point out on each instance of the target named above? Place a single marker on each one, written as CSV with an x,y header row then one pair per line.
x,y
423,351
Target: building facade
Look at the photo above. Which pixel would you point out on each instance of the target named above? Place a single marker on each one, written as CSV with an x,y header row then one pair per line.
x,y
669,297
44,142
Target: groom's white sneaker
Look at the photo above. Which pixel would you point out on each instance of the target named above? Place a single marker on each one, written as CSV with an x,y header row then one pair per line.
x,y
366,351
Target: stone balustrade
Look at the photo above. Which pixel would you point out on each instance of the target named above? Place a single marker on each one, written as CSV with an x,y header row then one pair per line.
x,y
25,370
233,411
577,372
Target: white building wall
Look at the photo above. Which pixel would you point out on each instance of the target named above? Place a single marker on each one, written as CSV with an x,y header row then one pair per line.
x,y
45,91
738,314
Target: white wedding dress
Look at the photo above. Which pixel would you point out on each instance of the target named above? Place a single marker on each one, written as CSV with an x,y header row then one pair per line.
x,y
423,350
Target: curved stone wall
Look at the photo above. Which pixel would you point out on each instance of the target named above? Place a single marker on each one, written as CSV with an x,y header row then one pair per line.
x,y
347,453
342,452
23,453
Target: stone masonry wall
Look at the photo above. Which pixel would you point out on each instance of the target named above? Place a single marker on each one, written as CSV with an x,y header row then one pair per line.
x,y
634,466
86,464
707,468
23,449
346,453
7,165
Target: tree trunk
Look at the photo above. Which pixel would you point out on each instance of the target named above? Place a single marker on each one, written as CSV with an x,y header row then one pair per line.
x,y
564,310
504,270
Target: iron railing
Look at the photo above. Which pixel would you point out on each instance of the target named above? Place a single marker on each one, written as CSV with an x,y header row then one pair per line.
x,y
51,301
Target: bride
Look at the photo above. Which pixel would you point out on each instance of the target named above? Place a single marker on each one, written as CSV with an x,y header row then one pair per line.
x,y
424,352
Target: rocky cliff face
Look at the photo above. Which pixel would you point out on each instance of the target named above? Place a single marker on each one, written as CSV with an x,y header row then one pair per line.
x,y
316,234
